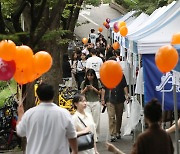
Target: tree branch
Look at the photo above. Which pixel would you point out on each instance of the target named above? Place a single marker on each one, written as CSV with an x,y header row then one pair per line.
x,y
57,9
16,16
2,27
39,15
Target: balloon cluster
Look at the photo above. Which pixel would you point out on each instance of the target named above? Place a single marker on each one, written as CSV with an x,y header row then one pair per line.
x,y
167,56
20,62
106,23
120,27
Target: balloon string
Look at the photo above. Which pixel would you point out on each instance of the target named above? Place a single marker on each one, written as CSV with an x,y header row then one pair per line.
x,y
11,90
107,135
27,91
20,95
163,104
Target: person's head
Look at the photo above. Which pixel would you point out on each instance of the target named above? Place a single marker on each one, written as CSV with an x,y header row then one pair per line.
x,y
93,51
83,56
74,56
117,52
45,92
91,75
79,102
113,58
153,111
92,30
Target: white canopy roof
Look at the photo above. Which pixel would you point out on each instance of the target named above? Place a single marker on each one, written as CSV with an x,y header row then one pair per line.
x,y
162,33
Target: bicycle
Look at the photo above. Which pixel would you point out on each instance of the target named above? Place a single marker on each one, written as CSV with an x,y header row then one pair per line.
x,y
8,117
65,97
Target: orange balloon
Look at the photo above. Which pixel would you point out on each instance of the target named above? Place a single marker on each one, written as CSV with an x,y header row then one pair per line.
x,y
111,74
105,23
42,62
116,45
7,50
100,29
24,75
123,31
166,58
175,39
121,24
85,40
115,30
23,57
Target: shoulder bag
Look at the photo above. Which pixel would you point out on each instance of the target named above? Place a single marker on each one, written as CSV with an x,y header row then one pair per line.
x,y
85,141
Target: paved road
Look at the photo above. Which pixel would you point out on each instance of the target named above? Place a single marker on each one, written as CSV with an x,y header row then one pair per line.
x,y
124,144
95,16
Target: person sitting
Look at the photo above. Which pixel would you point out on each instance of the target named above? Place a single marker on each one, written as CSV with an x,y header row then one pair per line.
x,y
154,140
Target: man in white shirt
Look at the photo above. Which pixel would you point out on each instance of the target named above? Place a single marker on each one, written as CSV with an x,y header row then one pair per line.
x,y
94,63
48,128
93,36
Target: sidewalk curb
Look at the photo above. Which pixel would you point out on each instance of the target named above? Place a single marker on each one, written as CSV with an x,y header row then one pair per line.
x,y
118,7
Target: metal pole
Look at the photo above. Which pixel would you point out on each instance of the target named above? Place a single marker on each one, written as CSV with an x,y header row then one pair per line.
x,y
176,118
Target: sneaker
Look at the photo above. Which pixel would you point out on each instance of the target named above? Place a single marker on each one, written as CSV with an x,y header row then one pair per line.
x,y
113,139
118,136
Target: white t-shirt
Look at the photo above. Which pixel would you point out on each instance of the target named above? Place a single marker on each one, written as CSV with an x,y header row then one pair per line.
x,y
94,63
47,128
86,51
93,38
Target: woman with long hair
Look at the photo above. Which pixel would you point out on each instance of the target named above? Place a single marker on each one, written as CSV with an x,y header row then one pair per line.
x,y
92,87
73,63
80,118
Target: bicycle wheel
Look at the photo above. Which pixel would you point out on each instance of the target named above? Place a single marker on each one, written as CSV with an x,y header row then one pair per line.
x,y
3,143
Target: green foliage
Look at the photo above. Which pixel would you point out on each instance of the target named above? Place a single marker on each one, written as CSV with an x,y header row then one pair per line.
x,y
57,35
106,1
147,6
93,2
7,91
13,37
7,7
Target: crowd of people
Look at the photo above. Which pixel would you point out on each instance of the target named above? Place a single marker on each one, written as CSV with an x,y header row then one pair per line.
x,y
51,129
83,73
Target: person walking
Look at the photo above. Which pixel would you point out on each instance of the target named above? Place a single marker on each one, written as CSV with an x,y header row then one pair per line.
x,y
92,87
66,68
114,100
92,37
81,69
80,116
94,62
154,140
48,128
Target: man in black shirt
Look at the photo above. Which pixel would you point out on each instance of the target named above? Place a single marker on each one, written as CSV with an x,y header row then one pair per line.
x,y
115,99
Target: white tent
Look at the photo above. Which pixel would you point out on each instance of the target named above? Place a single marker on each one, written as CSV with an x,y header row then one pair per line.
x,y
128,18
156,19
136,23
125,17
162,34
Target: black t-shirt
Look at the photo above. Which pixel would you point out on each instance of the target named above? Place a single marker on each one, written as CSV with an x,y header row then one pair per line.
x,y
117,94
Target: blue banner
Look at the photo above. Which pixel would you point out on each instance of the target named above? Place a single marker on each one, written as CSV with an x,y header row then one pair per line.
x,y
177,68
156,83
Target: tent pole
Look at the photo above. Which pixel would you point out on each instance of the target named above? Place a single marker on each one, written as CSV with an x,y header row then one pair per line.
x,y
176,118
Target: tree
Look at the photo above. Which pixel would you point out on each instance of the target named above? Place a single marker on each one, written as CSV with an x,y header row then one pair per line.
x,y
146,6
